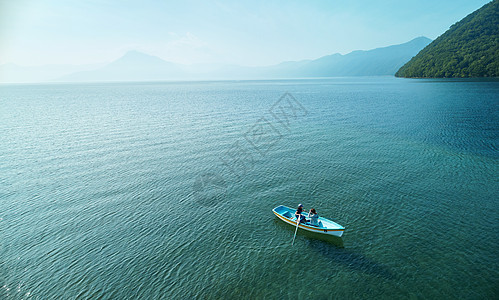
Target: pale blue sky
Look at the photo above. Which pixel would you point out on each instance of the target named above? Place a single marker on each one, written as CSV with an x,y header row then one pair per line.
x,y
235,32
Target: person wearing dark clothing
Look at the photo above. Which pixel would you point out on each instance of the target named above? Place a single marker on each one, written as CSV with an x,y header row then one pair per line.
x,y
298,214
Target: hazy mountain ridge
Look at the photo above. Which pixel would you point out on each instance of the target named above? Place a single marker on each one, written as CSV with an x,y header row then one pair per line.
x,y
379,61
137,66
470,48
13,73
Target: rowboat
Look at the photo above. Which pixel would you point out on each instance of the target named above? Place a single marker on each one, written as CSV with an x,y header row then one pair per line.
x,y
326,226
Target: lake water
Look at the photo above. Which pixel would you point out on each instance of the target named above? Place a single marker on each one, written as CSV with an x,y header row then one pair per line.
x,y
165,189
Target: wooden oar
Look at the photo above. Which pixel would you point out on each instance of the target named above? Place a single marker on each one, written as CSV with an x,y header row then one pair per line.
x,y
296,230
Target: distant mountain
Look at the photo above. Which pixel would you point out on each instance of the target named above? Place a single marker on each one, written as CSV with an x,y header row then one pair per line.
x,y
136,66
470,48
376,62
133,66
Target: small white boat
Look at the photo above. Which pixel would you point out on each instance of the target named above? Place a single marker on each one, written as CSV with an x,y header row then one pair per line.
x,y
325,226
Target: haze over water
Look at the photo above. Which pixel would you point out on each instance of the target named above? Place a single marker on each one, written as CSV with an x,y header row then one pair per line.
x,y
165,189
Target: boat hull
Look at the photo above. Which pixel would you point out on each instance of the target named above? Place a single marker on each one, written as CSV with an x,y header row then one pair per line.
x,y
330,228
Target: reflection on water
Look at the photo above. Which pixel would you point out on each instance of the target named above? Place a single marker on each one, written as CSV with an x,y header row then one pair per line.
x,y
332,248
351,259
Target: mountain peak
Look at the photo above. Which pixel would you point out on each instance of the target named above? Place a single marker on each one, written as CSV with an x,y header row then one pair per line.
x,y
421,38
136,56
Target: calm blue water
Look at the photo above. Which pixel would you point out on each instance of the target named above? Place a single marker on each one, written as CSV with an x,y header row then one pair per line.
x,y
165,190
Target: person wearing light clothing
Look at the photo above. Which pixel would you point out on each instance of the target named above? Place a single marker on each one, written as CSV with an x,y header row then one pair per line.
x,y
314,217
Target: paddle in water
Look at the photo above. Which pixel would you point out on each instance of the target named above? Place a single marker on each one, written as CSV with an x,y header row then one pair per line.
x,y
296,230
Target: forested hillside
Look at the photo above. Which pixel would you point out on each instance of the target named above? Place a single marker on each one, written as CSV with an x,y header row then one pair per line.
x,y
470,48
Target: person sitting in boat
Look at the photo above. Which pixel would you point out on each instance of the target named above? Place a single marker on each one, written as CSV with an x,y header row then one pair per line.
x,y
298,214
314,217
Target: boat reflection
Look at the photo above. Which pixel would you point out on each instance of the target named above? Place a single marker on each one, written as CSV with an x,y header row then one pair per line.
x,y
338,254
